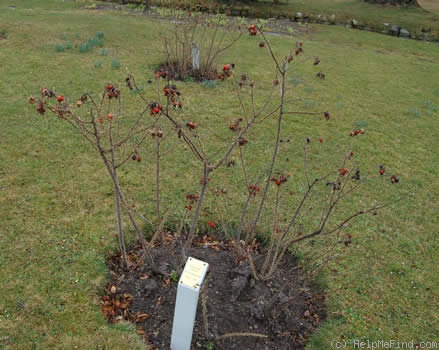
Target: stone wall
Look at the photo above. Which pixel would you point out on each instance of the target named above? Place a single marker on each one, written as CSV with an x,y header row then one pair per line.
x,y
394,2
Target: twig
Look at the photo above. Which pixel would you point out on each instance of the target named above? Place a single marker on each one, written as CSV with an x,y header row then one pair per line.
x,y
243,334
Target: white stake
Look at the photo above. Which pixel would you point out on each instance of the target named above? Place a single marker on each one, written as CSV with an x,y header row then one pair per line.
x,y
186,304
195,56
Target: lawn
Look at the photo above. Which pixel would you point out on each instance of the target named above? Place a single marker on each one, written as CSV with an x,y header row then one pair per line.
x,y
57,225
341,12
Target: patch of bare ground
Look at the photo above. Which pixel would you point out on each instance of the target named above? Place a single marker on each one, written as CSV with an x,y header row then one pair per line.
x,y
235,311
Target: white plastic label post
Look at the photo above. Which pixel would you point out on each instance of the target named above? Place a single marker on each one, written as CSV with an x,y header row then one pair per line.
x,y
195,56
186,303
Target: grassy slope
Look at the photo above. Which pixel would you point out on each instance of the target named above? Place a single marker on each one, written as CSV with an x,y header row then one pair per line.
x,y
370,15
56,215
53,248
381,285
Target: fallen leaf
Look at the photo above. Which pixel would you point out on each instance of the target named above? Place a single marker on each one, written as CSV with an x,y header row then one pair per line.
x,y
140,317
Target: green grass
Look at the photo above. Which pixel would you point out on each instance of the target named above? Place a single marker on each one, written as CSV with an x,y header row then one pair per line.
x,y
342,12
57,222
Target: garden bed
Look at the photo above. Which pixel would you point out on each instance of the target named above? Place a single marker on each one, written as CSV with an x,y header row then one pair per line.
x,y
234,310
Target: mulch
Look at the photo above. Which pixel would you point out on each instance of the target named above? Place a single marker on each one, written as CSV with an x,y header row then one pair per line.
x,y
235,311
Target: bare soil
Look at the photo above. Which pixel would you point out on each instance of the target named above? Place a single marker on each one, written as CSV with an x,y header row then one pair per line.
x,y
235,311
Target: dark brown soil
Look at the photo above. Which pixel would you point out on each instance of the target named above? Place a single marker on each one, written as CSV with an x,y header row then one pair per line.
x,y
234,310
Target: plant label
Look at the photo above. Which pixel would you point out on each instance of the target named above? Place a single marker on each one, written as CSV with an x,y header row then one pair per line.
x,y
195,56
186,303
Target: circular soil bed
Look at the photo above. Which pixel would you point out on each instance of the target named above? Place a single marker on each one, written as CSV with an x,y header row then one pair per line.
x,y
234,310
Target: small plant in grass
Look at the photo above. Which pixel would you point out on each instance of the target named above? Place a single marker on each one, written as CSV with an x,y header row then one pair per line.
x,y
95,42
413,111
115,64
275,203
209,83
3,34
430,107
99,35
59,47
91,43
84,47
